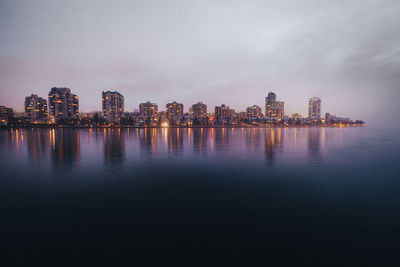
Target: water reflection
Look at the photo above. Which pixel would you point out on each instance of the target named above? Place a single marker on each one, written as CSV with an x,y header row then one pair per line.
x,y
17,138
62,147
65,147
37,143
200,141
253,139
175,141
273,143
114,146
314,145
222,138
148,140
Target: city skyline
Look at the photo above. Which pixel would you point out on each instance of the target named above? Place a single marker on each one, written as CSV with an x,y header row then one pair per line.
x,y
113,106
186,108
206,51
63,109
254,125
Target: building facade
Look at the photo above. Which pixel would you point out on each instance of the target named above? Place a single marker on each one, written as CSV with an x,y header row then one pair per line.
x,y
296,116
254,112
274,109
113,106
314,108
148,109
198,110
63,104
5,114
174,110
223,113
35,107
242,116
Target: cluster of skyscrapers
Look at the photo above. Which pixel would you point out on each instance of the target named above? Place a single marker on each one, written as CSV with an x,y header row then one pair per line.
x,y
62,107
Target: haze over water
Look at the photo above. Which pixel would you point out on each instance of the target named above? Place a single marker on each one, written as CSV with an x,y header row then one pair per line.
x,y
283,188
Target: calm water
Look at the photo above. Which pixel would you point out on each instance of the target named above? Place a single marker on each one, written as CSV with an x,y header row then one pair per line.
x,y
286,189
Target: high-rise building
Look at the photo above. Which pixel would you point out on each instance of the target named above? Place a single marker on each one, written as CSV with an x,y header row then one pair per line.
x,y
174,110
280,109
148,109
254,112
270,104
113,106
63,104
314,108
273,108
198,110
328,118
223,113
242,116
35,107
5,114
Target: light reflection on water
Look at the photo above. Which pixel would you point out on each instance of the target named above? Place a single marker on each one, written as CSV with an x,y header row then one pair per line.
x,y
313,149
69,147
232,186
98,148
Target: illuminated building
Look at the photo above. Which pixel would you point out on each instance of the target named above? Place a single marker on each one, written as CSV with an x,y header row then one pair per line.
x,y
333,119
270,104
279,109
254,112
273,108
223,113
113,106
198,110
35,107
148,109
314,108
174,110
63,104
5,114
328,118
242,116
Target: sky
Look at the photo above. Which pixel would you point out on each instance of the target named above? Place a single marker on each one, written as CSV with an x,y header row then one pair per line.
x,y
219,52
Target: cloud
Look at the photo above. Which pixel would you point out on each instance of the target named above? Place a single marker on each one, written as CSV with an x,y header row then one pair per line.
x,y
214,51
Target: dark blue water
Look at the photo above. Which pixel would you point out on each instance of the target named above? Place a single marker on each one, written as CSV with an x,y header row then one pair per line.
x,y
288,190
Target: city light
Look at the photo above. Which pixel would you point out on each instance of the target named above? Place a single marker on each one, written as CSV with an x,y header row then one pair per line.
x,y
63,110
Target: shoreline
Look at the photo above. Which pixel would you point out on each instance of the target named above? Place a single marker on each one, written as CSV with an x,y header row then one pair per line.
x,y
177,127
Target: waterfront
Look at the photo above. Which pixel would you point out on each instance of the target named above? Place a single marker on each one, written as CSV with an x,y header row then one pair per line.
x,y
284,188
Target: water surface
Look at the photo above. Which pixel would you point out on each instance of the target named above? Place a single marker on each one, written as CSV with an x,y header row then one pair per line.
x,y
289,189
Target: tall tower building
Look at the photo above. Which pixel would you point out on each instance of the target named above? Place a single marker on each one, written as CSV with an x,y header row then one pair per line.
x,y
273,108
270,104
279,109
174,110
148,109
198,110
113,106
35,107
314,108
63,104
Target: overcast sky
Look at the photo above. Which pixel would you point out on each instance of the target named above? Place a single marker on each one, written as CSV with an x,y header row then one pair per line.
x,y
232,52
